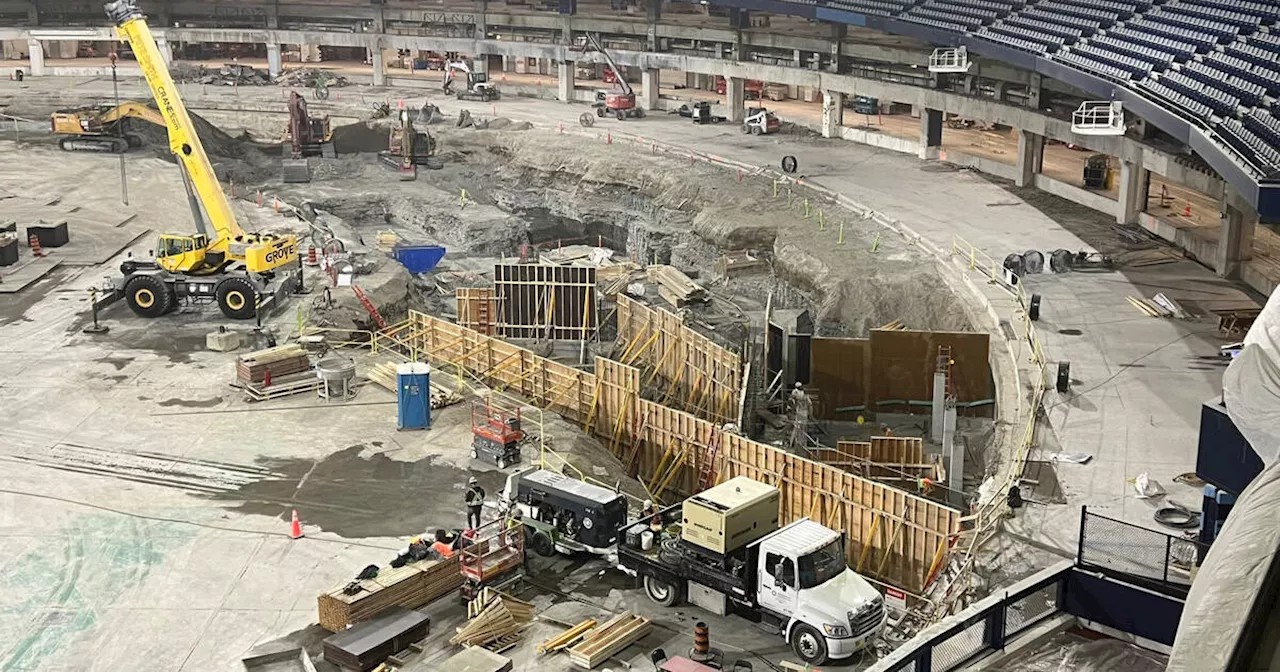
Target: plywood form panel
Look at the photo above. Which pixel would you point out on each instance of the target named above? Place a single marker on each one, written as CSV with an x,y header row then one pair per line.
x,y
839,371
543,301
903,364
477,308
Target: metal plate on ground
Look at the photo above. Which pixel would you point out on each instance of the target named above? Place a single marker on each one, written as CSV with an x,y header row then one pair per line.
x,y
1040,483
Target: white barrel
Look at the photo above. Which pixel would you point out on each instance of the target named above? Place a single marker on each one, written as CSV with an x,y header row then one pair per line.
x,y
646,540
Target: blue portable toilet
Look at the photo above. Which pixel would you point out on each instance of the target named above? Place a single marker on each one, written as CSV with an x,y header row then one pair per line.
x,y
413,395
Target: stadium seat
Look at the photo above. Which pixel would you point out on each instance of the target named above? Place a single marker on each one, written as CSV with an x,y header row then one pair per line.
x,y
1032,43
1253,148
1193,107
1180,50
1201,40
1159,60
1091,65
1134,67
1104,17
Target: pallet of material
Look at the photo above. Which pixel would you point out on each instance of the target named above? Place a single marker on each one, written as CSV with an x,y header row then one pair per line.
x,y
476,659
411,586
675,287
603,642
567,638
496,620
280,361
367,645
283,386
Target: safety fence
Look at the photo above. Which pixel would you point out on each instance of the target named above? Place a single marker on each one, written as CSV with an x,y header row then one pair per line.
x,y
1159,561
895,537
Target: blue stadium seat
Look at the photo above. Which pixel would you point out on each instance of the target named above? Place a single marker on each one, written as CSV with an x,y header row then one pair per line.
x,y
1159,60
1219,101
1000,8
1201,40
1265,125
1017,38
1068,34
868,6
1250,94
1268,12
1223,31
1105,18
1133,67
1181,50
948,23
1261,75
1248,22
943,11
1193,107
1268,41
1254,149
1085,26
1253,54
1091,65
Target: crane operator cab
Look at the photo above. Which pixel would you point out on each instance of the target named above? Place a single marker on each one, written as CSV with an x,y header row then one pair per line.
x,y
182,254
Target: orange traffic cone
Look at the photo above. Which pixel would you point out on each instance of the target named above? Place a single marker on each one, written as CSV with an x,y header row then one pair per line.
x,y
1186,212
295,527
34,242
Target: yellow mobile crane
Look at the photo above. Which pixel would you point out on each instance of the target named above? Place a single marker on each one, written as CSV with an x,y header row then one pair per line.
x,y
236,269
95,128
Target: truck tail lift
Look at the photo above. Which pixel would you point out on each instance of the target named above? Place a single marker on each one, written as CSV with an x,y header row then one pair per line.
x,y
723,550
496,433
244,273
621,101
564,514
305,136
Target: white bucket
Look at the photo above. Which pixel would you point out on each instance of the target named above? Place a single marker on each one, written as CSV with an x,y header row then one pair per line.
x,y
646,540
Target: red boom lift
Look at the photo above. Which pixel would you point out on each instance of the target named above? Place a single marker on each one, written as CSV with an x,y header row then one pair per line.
x,y
621,101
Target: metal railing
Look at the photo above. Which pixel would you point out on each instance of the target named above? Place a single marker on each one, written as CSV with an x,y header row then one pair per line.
x,y
1150,558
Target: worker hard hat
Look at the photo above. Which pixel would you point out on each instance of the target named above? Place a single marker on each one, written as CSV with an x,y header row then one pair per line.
x,y
518,514
472,481
799,384
648,503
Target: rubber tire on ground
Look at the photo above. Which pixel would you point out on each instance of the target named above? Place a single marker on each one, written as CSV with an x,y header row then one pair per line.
x,y
236,290
620,115
586,119
542,544
662,593
148,296
805,638
600,112
789,164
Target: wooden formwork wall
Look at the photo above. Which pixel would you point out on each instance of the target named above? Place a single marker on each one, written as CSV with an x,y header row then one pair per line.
x,y
477,308
698,375
894,536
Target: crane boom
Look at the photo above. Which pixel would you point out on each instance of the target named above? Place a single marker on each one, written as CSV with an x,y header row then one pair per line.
x,y
131,26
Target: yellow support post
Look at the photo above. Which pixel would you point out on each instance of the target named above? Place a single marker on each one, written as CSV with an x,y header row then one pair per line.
x,y
591,414
806,208
637,353
840,240
658,366
866,546
822,224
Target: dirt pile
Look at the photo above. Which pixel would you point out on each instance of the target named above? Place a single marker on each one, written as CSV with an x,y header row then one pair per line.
x,y
237,159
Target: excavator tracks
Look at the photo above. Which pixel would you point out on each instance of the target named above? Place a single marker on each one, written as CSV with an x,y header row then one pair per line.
x,y
104,144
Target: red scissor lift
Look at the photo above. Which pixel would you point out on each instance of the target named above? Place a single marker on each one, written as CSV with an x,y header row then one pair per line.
x,y
494,559
496,433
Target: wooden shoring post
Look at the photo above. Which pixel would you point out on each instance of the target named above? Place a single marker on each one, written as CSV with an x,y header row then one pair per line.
x,y
674,384
697,382
466,354
617,427
630,346
591,414
927,579
568,387
677,463
636,355
868,541
888,550
658,367
522,377
502,363
703,398
662,463
635,445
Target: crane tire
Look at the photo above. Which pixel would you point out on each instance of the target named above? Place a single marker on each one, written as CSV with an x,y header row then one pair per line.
x,y
148,296
237,298
600,112
620,115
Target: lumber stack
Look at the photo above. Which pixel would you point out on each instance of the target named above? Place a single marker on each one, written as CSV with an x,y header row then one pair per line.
x,y
567,638
675,287
281,361
384,374
616,634
410,586
496,620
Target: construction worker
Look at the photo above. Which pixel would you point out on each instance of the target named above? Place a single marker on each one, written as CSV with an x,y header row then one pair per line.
x,y
442,546
514,524
475,502
651,512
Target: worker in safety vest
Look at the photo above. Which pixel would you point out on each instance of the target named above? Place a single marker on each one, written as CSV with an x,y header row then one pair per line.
x,y
442,545
475,502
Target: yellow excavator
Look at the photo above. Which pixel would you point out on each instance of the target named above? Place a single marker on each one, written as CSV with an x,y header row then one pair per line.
x,y
242,272
101,128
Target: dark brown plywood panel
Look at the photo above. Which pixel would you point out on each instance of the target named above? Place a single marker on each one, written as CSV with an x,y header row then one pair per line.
x,y
903,364
839,372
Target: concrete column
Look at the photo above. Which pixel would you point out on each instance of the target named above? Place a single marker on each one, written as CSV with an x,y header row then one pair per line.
x,y
1133,193
35,52
379,22
309,53
735,98
1033,91
939,409
379,67
565,81
1030,157
480,64
166,52
930,133
654,14
832,114
1235,240
691,80
274,63
566,28
649,82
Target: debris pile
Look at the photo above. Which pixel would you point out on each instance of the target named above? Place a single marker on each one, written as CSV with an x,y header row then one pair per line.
x,y
307,77
496,620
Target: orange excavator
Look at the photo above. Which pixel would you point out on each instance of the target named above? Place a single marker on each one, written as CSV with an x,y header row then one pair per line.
x,y
305,136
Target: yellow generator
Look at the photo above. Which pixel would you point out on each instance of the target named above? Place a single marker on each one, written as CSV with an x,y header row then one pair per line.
x,y
730,515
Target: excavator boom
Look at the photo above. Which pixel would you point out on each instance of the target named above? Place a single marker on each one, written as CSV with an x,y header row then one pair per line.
x,y
131,26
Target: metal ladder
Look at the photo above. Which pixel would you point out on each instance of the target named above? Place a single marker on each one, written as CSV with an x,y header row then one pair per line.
x,y
368,305
707,470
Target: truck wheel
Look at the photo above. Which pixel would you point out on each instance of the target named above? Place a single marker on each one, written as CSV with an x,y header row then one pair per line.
x,y
236,298
502,463
542,545
475,454
640,113
622,116
148,296
661,592
809,645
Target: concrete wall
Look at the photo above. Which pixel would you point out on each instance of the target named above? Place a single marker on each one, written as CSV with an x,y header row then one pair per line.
x,y
1091,199
1197,247
881,140
985,165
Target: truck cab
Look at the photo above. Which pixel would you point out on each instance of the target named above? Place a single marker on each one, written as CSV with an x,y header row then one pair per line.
x,y
824,609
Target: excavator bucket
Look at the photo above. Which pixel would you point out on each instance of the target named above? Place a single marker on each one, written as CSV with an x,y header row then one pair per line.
x,y
295,171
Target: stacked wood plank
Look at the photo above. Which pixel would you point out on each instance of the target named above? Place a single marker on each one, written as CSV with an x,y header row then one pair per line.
x,y
281,361
739,263
496,621
675,287
616,634
411,586
384,374
567,638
